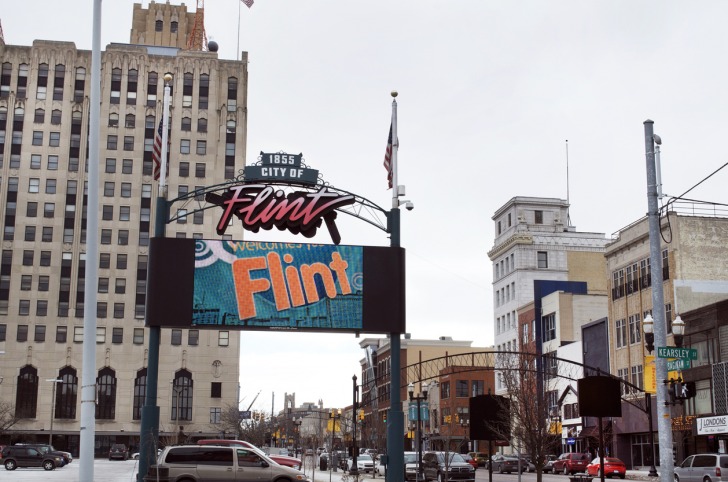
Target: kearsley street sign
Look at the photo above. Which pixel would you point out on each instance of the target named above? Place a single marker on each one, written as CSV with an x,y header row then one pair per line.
x,y
674,352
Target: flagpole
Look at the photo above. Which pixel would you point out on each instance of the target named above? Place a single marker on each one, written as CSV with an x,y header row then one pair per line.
x,y
165,137
237,54
395,148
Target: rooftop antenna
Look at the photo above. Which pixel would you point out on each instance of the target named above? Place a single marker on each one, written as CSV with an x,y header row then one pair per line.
x,y
568,216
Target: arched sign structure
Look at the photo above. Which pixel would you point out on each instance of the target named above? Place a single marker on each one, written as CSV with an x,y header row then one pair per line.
x,y
211,283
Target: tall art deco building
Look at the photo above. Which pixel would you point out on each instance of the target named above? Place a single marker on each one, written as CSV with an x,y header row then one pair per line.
x,y
44,131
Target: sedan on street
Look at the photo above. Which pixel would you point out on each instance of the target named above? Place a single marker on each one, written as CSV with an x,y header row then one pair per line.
x,y
612,467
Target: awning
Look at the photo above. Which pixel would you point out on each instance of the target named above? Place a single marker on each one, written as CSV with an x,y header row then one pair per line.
x,y
593,431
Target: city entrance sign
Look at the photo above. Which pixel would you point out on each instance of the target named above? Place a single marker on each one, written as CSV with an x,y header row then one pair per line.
x,y
674,352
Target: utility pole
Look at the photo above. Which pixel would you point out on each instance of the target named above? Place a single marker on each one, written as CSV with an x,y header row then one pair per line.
x,y
664,422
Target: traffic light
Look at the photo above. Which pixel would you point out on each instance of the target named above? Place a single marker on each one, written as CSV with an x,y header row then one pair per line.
x,y
688,390
361,415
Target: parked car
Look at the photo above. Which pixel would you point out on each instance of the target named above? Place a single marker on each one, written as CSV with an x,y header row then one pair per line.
x,y
548,465
470,460
364,463
442,466
118,451
15,456
702,467
571,463
411,463
198,463
135,455
480,457
279,458
612,466
51,450
508,463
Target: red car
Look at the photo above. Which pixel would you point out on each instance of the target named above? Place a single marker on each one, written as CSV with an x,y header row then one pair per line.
x,y
470,460
612,466
570,463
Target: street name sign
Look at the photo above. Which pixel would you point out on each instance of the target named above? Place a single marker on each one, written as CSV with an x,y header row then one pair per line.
x,y
679,364
674,352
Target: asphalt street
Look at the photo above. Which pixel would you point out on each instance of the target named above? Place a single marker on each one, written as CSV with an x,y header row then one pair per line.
x,y
125,471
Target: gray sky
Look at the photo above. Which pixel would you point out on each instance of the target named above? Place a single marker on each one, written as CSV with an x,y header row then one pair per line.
x,y
488,94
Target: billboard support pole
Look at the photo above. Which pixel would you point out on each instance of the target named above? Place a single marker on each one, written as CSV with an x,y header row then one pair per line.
x,y
149,430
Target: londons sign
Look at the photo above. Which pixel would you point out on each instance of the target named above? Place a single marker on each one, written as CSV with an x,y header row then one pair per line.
x,y
712,425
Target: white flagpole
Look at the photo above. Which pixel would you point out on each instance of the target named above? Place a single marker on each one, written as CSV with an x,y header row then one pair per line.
x,y
165,137
395,147
237,55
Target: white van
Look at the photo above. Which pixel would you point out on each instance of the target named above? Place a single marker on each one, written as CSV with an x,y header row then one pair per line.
x,y
201,463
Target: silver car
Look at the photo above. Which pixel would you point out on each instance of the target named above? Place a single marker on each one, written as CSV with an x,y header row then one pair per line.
x,y
703,468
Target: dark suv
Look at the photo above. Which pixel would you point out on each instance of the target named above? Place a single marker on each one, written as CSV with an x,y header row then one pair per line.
x,y
51,450
118,451
570,463
27,456
443,466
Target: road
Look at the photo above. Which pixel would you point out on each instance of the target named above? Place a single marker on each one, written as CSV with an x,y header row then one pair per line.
x,y
125,471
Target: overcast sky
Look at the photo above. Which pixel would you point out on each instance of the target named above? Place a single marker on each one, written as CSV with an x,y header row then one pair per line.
x,y
489,92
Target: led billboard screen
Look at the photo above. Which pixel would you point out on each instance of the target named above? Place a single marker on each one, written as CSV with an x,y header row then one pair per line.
x,y
275,286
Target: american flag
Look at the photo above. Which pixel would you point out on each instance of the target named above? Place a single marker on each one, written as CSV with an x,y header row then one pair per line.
x,y
248,3
388,158
157,152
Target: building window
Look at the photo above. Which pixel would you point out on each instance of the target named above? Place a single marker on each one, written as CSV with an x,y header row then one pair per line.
x,y
184,146
543,259
182,396
41,308
184,169
193,337
478,388
61,334
461,388
117,335
223,338
445,390
118,310
200,169
78,334
26,398
111,142
22,334
215,414
635,332
140,393
106,394
176,337
138,336
66,394
620,328
201,148
549,327
538,217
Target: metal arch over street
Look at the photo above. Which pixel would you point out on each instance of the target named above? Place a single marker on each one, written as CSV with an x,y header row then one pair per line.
x,y
362,208
427,370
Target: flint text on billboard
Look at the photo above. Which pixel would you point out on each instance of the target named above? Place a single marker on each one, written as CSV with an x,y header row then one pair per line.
x,y
246,286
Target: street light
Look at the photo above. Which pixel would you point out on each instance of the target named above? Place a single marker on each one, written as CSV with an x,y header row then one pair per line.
x,y
53,406
334,415
464,424
297,422
678,331
419,398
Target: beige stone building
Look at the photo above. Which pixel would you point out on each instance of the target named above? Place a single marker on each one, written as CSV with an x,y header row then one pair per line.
x,y
44,126
694,258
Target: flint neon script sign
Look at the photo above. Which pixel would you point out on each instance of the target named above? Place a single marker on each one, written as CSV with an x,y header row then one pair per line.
x,y
261,206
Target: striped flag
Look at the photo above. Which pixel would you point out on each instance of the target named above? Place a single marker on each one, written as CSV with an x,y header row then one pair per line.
x,y
388,158
248,3
157,152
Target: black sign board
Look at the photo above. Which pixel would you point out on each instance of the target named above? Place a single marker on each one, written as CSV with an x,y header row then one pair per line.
x,y
280,166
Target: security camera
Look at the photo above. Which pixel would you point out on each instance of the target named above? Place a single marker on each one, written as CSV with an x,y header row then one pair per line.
x,y
658,139
409,205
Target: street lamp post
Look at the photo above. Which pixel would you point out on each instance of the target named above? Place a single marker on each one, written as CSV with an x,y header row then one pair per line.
x,y
678,331
354,470
464,424
297,422
419,398
55,381
334,415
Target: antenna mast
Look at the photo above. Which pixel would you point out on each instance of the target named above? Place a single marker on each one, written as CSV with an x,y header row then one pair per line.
x,y
197,39
568,216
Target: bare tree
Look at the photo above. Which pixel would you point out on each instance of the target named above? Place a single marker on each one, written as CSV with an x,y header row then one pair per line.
x,y
529,378
251,430
7,417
